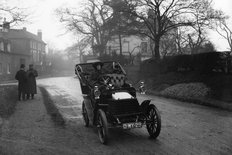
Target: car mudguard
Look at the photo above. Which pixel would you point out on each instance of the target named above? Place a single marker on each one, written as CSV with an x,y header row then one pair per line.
x,y
144,105
89,109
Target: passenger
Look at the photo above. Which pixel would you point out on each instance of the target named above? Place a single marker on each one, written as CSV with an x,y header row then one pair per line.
x,y
22,81
31,83
117,69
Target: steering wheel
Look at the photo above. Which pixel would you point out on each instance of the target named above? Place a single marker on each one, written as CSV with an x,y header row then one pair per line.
x,y
103,79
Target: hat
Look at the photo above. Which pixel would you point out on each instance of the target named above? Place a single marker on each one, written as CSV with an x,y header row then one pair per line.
x,y
97,63
22,66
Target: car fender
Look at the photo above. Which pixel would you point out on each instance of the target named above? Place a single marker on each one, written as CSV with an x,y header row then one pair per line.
x,y
89,109
144,105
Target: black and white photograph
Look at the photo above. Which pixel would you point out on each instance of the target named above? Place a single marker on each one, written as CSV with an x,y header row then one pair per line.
x,y
115,77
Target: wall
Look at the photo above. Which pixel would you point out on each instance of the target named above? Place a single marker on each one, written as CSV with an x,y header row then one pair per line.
x,y
4,60
15,61
20,46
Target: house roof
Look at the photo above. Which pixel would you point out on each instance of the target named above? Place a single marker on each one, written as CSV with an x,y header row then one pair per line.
x,y
20,34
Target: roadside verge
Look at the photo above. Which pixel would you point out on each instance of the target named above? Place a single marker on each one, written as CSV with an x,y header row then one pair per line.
x,y
201,101
60,106
52,110
8,101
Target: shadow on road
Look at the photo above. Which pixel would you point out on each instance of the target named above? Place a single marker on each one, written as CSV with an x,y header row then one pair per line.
x,y
51,108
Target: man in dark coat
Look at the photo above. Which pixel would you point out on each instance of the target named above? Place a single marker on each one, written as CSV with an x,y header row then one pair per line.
x,y
22,79
31,82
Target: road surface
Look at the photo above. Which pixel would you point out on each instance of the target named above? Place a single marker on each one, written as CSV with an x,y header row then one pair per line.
x,y
186,128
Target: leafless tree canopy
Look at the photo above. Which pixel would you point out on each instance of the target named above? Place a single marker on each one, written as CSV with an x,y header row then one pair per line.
x,y
78,49
225,31
163,16
88,21
157,18
13,15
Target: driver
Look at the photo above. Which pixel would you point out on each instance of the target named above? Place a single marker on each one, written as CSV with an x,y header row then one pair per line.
x,y
97,74
116,68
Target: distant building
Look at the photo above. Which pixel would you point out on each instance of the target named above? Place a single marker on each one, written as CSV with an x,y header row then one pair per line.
x,y
132,45
143,46
18,46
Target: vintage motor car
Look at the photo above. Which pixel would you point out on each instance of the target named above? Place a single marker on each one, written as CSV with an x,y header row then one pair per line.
x,y
113,102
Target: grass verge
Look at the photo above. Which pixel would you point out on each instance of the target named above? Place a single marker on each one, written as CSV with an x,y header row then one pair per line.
x,y
51,108
8,100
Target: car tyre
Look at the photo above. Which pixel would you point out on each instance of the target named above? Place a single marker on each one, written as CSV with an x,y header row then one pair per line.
x,y
102,126
153,121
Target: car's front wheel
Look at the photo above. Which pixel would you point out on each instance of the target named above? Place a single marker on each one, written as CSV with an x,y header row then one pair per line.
x,y
153,121
102,126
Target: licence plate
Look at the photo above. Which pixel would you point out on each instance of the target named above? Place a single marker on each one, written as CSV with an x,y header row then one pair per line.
x,y
132,125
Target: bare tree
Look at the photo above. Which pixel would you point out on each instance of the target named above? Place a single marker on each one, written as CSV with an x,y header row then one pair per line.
x,y
181,41
131,56
168,45
13,15
88,21
162,16
226,32
79,49
196,39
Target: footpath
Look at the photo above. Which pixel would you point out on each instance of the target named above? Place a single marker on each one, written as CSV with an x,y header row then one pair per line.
x,y
32,131
29,130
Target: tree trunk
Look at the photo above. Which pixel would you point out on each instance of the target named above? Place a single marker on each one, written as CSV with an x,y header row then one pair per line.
x,y
120,44
81,57
100,49
156,49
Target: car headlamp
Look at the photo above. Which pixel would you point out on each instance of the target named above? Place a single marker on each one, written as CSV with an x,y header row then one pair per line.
x,y
97,92
142,83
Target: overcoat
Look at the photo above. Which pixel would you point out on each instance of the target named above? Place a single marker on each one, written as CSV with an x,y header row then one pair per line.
x,y
31,81
22,80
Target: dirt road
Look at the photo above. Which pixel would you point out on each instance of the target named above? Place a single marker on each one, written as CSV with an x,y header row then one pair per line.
x,y
186,128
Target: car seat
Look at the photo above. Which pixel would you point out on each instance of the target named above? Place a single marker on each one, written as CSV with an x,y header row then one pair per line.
x,y
117,80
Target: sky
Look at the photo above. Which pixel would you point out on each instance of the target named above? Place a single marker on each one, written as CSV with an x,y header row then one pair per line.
x,y
220,43
55,35
42,17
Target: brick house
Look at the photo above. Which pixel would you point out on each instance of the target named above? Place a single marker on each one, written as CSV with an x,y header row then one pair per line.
x,y
18,46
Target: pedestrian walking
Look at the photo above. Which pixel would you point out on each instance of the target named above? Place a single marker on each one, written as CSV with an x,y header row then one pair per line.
x,y
22,82
31,82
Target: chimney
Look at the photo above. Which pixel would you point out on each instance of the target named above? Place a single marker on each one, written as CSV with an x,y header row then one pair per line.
x,y
24,29
5,25
39,34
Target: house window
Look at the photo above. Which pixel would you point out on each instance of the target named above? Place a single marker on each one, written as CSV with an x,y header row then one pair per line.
x,y
30,44
37,56
144,47
43,47
8,47
2,46
39,46
8,69
34,55
34,45
0,68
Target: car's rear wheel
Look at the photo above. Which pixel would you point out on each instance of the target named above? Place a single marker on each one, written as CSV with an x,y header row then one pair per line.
x,y
85,115
153,121
102,126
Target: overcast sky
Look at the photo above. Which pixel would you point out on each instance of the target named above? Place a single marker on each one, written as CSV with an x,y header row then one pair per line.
x,y
44,18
